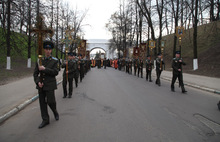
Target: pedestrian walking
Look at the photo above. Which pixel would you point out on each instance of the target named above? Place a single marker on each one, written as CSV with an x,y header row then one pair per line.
x,y
45,79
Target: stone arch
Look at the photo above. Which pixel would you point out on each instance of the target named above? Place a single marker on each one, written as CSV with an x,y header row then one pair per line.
x,y
99,43
97,48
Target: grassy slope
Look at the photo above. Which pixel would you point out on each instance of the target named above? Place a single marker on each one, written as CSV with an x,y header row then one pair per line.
x,y
208,50
18,48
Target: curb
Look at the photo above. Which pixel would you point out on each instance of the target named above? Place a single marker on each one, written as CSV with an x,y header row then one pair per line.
x,y
20,107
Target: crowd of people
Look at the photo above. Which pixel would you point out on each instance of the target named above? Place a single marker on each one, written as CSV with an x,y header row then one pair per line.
x,y
136,66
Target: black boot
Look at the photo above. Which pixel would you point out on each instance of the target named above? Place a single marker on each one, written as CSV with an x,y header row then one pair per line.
x,y
53,108
218,105
43,124
183,89
56,115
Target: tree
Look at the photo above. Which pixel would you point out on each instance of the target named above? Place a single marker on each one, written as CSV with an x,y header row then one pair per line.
x,y
160,10
195,60
8,67
29,34
175,9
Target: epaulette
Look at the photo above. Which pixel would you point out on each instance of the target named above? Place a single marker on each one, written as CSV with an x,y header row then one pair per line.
x,y
54,58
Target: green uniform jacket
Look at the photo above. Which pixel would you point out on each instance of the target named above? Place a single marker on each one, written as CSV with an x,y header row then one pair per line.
x,y
158,62
49,74
148,65
177,65
71,68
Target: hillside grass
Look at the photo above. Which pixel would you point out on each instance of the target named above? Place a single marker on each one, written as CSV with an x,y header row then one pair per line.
x,y
208,49
19,47
208,36
19,56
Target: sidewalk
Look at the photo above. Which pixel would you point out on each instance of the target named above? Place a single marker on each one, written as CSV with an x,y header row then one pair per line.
x,y
209,84
17,95
204,83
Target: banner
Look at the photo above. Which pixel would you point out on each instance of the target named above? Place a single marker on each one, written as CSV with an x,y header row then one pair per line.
x,y
136,52
82,48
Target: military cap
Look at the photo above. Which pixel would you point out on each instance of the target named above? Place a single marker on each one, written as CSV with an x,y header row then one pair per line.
x,y
74,53
70,54
48,45
177,52
159,54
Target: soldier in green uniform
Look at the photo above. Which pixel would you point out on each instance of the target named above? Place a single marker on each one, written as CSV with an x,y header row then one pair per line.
x,y
135,62
105,63
140,67
130,66
149,66
159,68
68,75
119,64
177,72
76,74
81,67
127,65
45,79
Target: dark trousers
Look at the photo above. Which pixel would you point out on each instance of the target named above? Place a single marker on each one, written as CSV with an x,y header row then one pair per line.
x,y
135,70
70,81
81,75
130,70
148,74
76,80
140,70
158,72
127,69
180,78
47,98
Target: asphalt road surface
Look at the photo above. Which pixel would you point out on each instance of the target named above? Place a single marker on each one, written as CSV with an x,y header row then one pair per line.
x,y
112,106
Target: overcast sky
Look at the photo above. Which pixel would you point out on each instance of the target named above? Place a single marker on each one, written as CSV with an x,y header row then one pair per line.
x,y
97,16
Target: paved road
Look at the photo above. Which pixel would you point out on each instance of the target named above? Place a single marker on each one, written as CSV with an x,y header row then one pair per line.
x,y
112,106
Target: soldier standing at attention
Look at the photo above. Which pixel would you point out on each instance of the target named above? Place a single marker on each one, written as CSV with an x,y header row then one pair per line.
x,y
76,74
148,68
135,62
105,63
177,72
130,66
140,67
68,75
159,68
49,70
127,65
81,67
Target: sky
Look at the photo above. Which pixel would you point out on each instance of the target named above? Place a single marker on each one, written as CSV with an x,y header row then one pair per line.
x,y
98,14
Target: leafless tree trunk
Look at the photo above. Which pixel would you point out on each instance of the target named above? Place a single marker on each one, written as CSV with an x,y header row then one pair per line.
x,y
29,34
176,18
8,67
160,7
57,26
195,36
212,16
51,22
